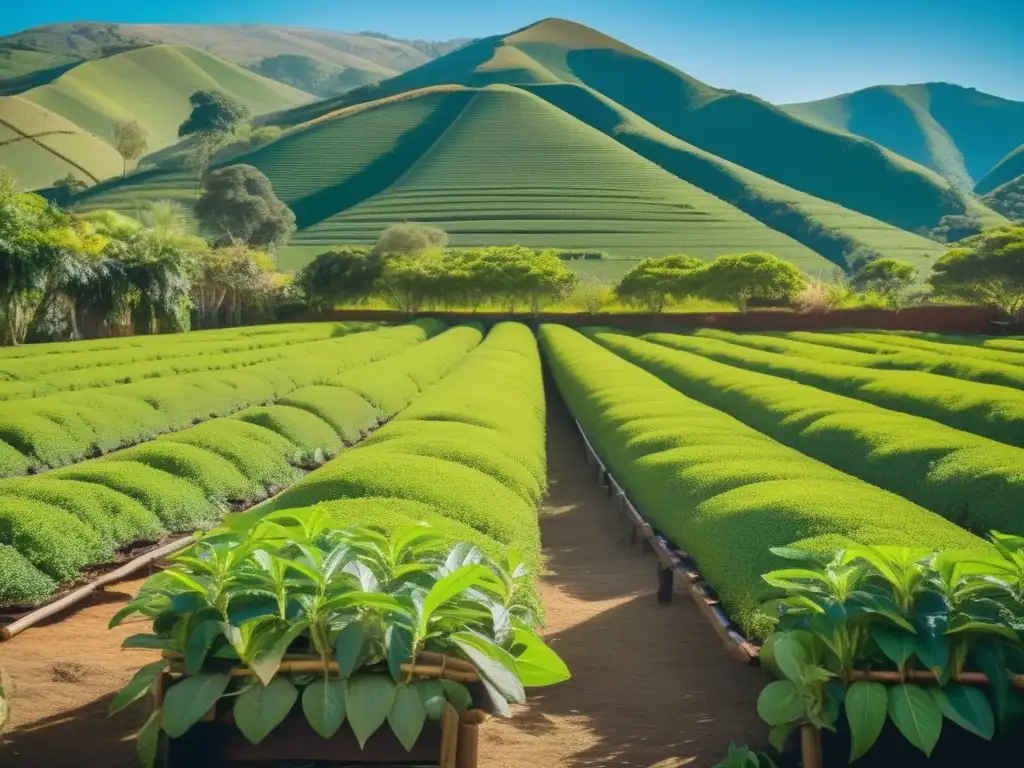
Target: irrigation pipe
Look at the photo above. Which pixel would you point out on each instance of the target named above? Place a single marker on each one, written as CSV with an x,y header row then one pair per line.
x,y
12,629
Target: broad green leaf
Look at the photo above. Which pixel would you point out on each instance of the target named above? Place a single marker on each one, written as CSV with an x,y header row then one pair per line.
x,y
968,708
271,648
917,715
138,686
537,664
189,699
457,694
866,705
454,584
780,702
433,696
984,628
897,645
349,647
153,642
352,600
148,740
933,651
188,581
498,703
399,649
493,663
323,703
407,716
133,607
368,700
990,657
260,709
779,735
790,658
199,644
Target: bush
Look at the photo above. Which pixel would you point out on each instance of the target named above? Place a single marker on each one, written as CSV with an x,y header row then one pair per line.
x,y
349,274
591,296
349,415
654,283
970,480
408,239
20,581
750,277
717,488
986,269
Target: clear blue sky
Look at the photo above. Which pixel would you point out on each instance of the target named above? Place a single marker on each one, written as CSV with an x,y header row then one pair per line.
x,y
781,50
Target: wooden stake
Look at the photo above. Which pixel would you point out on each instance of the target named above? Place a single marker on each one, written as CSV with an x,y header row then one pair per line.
x,y
315,666
810,747
449,737
921,676
12,629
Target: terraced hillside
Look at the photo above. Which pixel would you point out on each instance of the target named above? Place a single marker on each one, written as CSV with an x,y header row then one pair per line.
x,y
494,165
72,119
826,163
958,132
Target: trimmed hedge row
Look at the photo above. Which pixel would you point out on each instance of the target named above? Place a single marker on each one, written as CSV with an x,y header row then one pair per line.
x,y
894,345
1007,343
53,525
61,429
967,350
880,356
983,409
717,488
470,450
971,480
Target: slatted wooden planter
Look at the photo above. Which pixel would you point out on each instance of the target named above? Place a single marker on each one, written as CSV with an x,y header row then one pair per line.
x,y
216,740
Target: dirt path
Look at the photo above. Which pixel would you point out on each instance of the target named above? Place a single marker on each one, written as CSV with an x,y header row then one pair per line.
x,y
651,686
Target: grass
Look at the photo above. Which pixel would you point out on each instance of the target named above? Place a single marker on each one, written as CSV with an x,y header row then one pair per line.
x,y
718,488
958,132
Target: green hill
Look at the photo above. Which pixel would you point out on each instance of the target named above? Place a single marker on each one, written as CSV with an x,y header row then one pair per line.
x,y
959,132
1008,199
346,60
829,164
73,118
495,165
1006,170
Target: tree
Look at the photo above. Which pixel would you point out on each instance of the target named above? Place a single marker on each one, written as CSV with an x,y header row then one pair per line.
x,y
985,269
226,281
742,278
239,203
130,142
348,274
887,276
408,239
652,283
299,71
214,112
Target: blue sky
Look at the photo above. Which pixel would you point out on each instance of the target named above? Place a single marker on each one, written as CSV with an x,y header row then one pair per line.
x,y
781,50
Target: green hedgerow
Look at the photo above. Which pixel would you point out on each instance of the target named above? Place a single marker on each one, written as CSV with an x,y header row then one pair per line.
x,y
313,436
348,413
20,581
55,541
217,477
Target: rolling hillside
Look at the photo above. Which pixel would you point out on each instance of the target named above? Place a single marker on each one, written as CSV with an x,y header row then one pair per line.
x,y
495,165
829,164
1008,199
345,58
958,132
1005,171
72,119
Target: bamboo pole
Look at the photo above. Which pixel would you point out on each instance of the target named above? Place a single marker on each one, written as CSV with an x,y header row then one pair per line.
x,y
424,658
922,676
810,747
449,737
315,666
14,628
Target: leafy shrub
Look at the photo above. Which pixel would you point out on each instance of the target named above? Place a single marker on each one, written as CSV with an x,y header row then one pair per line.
x,y
20,581
968,479
214,475
654,283
747,277
314,437
719,489
55,541
990,411
408,239
349,414
987,268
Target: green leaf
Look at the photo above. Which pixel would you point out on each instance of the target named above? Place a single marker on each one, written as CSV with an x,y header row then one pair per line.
x,y
138,686
153,642
454,584
368,700
457,694
779,735
984,628
433,696
967,707
780,702
260,709
323,702
148,740
790,657
189,699
199,644
407,716
399,649
493,663
537,665
272,647
866,705
896,645
917,715
188,581
349,647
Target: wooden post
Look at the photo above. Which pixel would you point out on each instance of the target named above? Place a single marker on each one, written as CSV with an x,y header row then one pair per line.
x,y
666,580
449,737
469,739
810,747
